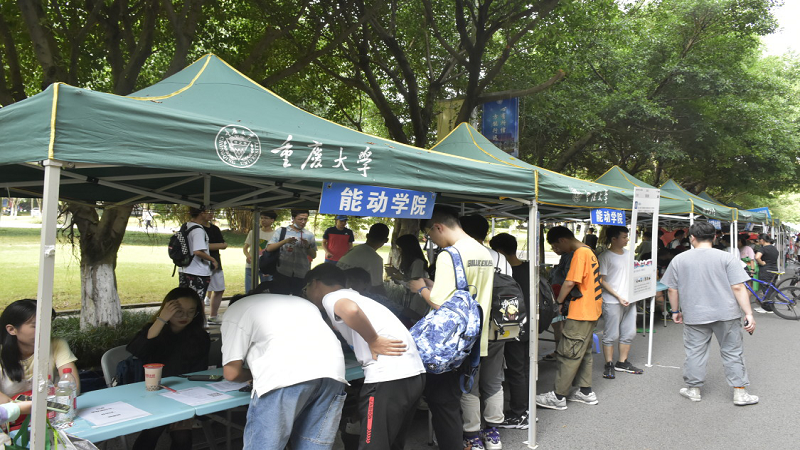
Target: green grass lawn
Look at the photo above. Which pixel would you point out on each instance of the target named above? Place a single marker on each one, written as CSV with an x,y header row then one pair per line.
x,y
144,271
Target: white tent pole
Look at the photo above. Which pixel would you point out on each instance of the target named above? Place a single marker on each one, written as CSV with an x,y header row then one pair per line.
x,y
533,323
654,257
691,219
44,305
255,247
493,226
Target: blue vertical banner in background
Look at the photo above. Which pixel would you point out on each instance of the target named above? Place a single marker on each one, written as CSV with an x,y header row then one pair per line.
x,y
501,124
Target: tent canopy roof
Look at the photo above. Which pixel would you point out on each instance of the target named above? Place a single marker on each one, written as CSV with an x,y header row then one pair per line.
x,y
556,192
164,142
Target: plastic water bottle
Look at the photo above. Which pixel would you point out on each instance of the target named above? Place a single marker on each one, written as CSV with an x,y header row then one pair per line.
x,y
65,394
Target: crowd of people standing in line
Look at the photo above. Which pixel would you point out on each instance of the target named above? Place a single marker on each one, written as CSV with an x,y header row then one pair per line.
x,y
292,315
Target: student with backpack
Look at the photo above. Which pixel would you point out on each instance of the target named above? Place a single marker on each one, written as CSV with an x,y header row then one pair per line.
x,y
516,350
197,274
443,391
505,319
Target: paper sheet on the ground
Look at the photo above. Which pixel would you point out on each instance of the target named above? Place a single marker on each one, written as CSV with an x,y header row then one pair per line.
x,y
111,413
196,396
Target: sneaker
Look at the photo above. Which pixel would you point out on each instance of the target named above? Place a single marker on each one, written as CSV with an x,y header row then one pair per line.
x,y
207,301
214,320
474,443
608,371
692,393
491,439
549,400
625,366
761,310
578,396
742,398
514,421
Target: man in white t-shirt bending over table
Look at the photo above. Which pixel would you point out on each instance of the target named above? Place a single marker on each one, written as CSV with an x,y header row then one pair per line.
x,y
297,367
393,381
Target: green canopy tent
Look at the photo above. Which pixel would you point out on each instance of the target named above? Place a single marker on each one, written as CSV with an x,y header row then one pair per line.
x,y
556,194
206,135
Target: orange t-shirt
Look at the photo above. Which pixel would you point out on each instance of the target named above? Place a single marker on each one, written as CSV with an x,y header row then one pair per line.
x,y
584,270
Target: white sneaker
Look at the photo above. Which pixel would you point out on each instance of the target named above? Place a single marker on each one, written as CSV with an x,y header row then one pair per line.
x,y
207,301
742,398
760,310
549,400
692,393
578,396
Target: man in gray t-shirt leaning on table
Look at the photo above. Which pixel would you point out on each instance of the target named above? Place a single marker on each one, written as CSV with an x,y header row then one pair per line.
x,y
707,294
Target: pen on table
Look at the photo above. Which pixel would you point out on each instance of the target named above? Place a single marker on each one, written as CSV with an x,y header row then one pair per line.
x,y
168,388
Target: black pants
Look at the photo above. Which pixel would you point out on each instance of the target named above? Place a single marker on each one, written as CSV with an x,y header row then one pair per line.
x,y
147,440
517,375
281,284
387,410
444,400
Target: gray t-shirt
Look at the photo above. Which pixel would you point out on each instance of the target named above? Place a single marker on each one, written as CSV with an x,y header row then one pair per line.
x,y
703,278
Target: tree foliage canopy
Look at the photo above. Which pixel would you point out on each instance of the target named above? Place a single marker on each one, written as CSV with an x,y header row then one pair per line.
x,y
664,88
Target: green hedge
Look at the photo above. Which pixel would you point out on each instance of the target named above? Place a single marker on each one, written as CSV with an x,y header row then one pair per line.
x,y
89,345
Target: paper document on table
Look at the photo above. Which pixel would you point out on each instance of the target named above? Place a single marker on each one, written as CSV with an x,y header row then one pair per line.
x,y
196,396
111,413
227,386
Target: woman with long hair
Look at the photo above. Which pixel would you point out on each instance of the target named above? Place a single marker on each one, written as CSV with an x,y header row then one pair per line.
x,y
17,339
177,339
413,265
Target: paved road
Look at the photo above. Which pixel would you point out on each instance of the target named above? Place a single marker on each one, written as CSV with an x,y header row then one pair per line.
x,y
646,411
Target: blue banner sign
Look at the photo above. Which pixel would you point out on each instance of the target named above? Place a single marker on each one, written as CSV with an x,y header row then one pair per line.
x,y
374,201
606,216
501,124
717,224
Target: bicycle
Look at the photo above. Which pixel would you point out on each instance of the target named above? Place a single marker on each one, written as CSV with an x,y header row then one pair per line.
x,y
793,281
788,309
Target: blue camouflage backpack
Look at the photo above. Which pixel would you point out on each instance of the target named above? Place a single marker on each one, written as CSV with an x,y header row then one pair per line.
x,y
446,335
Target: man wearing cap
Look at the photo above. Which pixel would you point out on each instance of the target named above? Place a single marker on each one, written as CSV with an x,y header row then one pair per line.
x,y
366,257
337,240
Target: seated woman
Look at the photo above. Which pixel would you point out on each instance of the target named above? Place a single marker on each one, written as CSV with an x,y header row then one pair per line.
x,y
177,339
16,354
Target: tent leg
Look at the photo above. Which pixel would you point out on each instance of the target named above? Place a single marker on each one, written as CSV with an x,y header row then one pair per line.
x,y
533,322
44,305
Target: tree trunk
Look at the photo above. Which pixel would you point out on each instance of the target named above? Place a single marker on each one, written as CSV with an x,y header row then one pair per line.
x,y
100,303
100,238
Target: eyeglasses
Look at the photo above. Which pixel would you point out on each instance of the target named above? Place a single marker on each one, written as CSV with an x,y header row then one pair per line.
x,y
188,314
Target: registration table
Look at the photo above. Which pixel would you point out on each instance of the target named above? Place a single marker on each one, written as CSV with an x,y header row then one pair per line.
x,y
163,410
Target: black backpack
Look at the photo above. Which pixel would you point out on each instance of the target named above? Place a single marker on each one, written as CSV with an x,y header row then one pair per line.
x,y
509,314
178,249
548,309
268,262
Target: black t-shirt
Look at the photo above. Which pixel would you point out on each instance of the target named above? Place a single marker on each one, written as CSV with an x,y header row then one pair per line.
x,y
591,241
522,275
769,254
215,237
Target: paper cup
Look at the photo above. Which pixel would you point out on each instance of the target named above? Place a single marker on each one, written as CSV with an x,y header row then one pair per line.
x,y
152,376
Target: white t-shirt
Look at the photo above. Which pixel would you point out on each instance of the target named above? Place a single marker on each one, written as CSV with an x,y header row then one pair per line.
x,y
263,239
367,258
385,323
617,273
283,339
198,240
500,262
